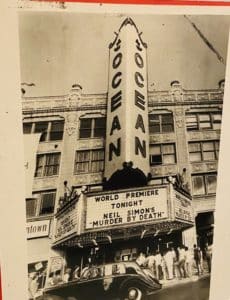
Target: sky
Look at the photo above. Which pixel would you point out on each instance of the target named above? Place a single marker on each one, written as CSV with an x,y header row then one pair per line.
x,y
59,49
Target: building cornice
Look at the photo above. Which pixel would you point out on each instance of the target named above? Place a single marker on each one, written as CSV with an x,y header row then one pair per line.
x,y
65,103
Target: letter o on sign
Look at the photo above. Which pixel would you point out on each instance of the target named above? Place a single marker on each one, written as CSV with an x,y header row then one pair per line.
x,y
117,60
139,60
116,80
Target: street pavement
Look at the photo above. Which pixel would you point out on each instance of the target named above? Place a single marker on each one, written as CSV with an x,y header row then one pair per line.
x,y
196,288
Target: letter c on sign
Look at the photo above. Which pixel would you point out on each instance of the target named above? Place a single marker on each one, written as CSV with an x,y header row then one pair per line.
x,y
116,80
139,60
138,79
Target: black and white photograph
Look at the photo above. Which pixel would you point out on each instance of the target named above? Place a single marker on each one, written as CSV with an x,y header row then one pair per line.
x,y
121,117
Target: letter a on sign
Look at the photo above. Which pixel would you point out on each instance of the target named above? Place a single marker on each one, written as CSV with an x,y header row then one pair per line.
x,y
140,123
115,125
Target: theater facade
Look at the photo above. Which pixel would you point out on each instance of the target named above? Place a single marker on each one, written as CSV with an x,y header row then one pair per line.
x,y
124,172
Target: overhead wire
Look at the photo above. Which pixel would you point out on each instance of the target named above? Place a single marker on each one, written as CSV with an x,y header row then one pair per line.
x,y
205,40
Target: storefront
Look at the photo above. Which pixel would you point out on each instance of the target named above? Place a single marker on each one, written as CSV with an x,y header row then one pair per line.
x,y
38,247
118,225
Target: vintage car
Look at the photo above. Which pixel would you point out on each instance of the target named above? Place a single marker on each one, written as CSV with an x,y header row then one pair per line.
x,y
124,281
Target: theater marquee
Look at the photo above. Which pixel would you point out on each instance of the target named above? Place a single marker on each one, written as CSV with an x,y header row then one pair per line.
x,y
127,207
183,208
66,221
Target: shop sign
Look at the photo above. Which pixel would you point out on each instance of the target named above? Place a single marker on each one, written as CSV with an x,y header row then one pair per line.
x,y
128,207
56,264
38,266
183,208
37,229
127,135
66,223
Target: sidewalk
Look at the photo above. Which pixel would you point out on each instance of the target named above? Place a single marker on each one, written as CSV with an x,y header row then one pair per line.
x,y
194,277
176,281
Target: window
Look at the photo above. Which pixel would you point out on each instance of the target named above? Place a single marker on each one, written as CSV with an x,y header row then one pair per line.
x,y
203,151
204,184
82,161
31,205
89,161
162,154
99,127
41,204
192,122
85,128
50,130
92,128
159,123
216,121
56,131
205,121
200,121
47,203
41,127
40,268
47,164
27,127
160,180
97,163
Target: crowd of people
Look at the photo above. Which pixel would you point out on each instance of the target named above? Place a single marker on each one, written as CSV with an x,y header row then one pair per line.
x,y
179,262
172,263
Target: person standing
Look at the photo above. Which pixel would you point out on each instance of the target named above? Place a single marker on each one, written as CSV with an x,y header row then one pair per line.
x,y
201,260
141,259
164,267
30,278
181,261
175,262
33,286
158,262
150,262
169,260
76,273
197,258
188,262
208,254
66,277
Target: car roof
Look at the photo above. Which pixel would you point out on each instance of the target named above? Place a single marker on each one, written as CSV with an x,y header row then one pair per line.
x,y
116,263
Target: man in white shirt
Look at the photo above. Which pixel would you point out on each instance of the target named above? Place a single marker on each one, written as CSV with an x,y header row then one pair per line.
x,y
158,263
188,261
150,262
141,259
66,276
181,262
169,255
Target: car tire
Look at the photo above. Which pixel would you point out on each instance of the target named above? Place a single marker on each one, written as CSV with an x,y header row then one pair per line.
x,y
133,293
